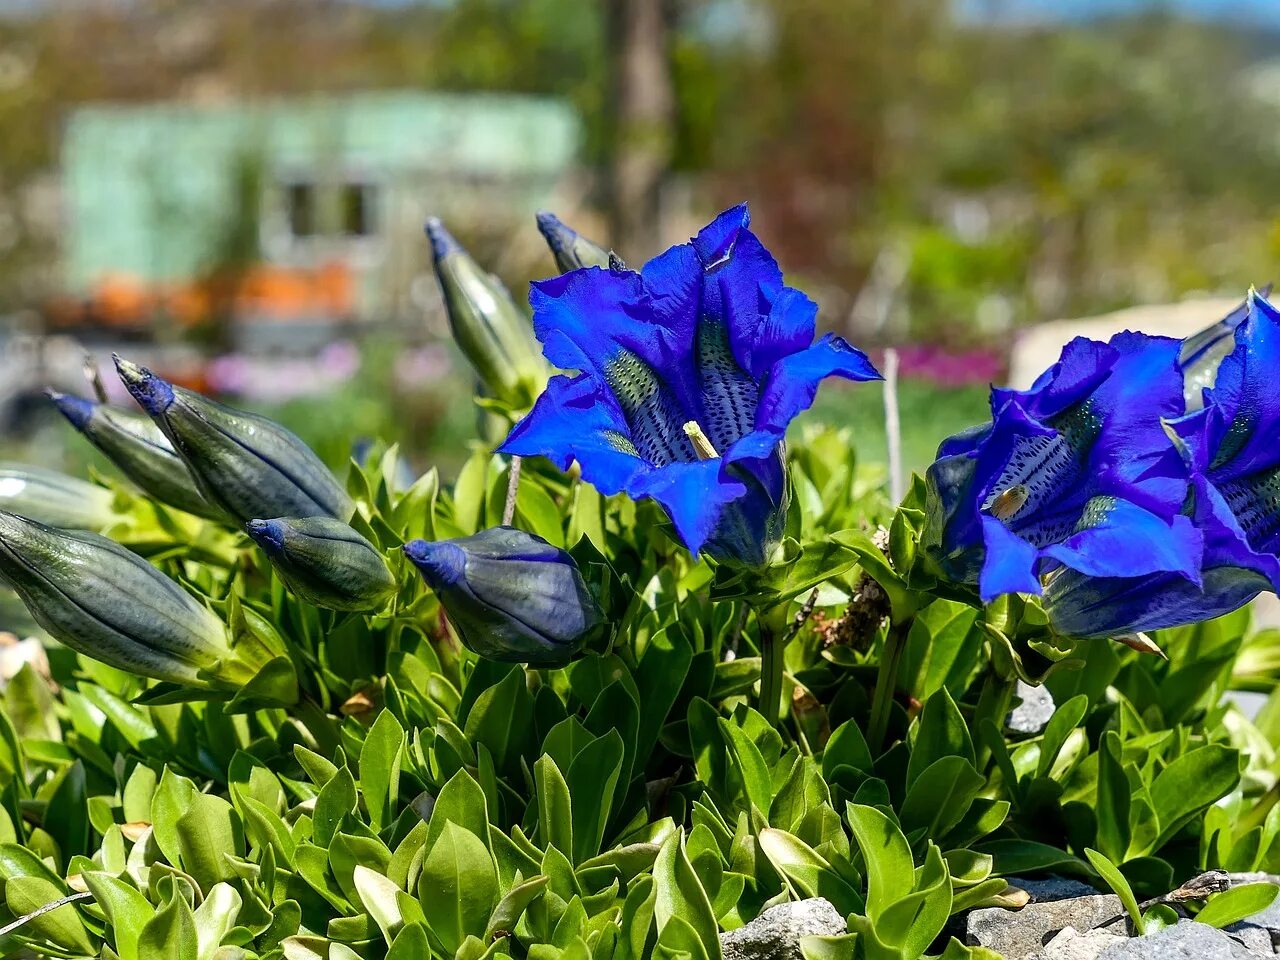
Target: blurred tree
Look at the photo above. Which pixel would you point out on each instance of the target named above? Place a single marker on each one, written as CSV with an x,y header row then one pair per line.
x,y
642,116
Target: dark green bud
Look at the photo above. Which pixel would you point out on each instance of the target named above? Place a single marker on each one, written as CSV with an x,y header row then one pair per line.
x,y
247,465
492,332
139,449
325,562
510,595
109,604
571,249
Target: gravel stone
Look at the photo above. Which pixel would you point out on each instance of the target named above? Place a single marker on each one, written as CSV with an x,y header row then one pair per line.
x,y
776,933
1021,934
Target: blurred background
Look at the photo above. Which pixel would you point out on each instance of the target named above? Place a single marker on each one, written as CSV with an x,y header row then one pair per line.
x,y
233,192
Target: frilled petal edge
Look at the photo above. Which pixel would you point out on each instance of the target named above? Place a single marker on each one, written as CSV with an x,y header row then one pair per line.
x,y
573,420
793,381
1128,541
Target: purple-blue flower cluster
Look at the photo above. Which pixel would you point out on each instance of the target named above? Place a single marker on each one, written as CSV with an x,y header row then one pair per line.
x,y
688,373
1136,485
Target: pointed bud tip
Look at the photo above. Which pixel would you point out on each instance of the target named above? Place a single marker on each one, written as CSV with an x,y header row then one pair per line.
x,y
152,393
554,230
77,410
441,563
442,241
268,534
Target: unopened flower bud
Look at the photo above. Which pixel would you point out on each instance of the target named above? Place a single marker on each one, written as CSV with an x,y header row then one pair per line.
x,y
494,335
571,249
325,562
510,595
247,465
139,449
54,498
109,604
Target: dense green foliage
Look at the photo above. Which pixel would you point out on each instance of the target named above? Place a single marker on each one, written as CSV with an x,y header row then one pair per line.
x,y
417,800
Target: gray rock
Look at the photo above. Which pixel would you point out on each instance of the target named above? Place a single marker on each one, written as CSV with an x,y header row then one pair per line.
x,y
1030,716
1070,945
1187,940
1256,939
1019,934
1048,889
776,933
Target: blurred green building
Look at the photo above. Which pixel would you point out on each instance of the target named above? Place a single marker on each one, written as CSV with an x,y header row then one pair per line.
x,y
301,207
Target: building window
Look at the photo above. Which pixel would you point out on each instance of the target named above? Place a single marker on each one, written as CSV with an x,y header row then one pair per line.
x,y
300,209
359,209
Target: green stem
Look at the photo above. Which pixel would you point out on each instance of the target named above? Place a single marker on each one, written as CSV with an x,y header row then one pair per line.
x,y
895,642
993,703
773,645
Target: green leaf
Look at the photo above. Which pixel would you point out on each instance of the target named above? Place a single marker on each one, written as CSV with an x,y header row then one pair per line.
x,y
512,906
127,911
916,920
380,768
207,833
846,748
337,798
808,872
555,807
1116,881
1114,794
1065,719
171,932
379,897
502,719
941,732
458,887
940,797
216,917
751,766
173,798
592,779
461,801
1189,784
890,870
64,816
411,944
1013,857
1238,903
680,895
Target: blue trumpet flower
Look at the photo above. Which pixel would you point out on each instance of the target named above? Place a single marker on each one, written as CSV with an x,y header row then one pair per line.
x,y
1076,474
1229,446
688,374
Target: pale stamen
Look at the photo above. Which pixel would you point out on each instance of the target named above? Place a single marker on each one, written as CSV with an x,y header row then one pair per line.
x,y
1008,502
701,445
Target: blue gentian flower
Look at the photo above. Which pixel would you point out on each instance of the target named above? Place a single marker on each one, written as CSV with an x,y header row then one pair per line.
x,y
1229,444
689,372
1076,473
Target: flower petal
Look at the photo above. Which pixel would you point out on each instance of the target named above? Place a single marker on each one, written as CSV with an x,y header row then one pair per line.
x,y
1009,565
575,420
1123,540
793,381
693,494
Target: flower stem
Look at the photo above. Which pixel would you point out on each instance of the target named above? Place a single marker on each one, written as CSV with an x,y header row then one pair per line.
x,y
994,701
513,490
895,642
773,644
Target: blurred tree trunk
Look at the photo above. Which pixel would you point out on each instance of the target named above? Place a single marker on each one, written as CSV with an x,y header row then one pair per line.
x,y
642,115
